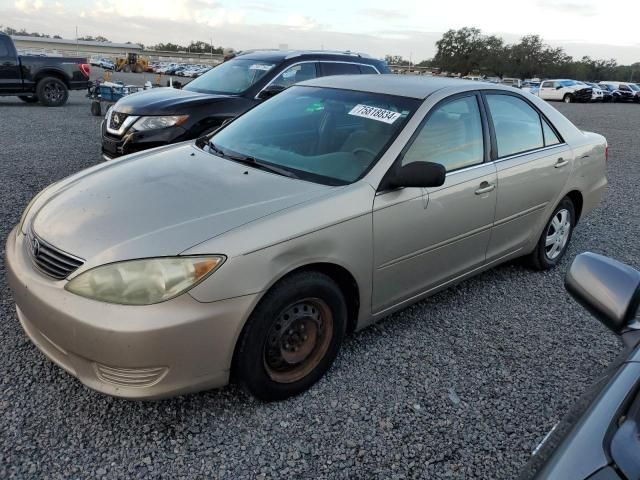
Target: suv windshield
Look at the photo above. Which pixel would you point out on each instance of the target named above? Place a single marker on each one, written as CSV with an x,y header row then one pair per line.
x,y
322,135
232,77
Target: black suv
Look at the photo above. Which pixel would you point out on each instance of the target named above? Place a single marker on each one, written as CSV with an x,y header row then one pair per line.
x,y
167,115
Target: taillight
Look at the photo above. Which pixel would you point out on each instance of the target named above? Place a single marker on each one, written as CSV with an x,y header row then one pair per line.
x,y
85,68
606,153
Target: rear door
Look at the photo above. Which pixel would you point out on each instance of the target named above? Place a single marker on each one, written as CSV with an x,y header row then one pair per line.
x,y
547,90
10,78
533,165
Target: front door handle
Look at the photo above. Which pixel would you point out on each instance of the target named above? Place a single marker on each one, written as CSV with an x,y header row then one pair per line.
x,y
561,163
485,187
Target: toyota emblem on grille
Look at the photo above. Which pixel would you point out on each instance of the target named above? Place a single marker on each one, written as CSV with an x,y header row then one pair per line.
x,y
35,246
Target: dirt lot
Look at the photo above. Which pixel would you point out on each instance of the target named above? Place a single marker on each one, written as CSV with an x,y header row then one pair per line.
x,y
462,385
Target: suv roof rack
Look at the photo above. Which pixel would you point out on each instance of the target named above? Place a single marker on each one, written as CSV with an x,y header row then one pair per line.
x,y
326,52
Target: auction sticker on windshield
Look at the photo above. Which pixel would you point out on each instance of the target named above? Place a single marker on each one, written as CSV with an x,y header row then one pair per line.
x,y
260,66
375,113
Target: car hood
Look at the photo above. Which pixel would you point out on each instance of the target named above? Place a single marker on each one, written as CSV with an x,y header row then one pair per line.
x,y
161,203
160,101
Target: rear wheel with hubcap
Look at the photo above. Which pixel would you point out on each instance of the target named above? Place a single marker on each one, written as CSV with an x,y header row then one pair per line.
x,y
555,237
292,337
568,98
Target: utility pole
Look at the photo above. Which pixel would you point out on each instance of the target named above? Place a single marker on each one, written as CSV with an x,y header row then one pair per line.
x,y
77,48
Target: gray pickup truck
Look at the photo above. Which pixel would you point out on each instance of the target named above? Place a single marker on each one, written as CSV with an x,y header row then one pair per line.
x,y
39,78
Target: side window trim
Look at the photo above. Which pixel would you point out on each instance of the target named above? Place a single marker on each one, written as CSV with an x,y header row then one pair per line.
x,y
318,70
542,116
423,122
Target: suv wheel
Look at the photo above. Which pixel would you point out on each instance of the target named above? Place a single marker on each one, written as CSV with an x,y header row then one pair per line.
x,y
292,337
52,92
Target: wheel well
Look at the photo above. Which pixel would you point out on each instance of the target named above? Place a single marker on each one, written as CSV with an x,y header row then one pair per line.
x,y
345,281
576,198
52,73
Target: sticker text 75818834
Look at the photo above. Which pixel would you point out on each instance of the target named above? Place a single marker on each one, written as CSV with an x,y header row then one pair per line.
x,y
375,113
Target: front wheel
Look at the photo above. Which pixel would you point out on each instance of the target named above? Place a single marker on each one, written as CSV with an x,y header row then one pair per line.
x,y
52,92
292,337
554,241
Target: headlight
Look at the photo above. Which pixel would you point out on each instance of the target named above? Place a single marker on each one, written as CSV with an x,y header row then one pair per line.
x,y
154,123
30,204
143,282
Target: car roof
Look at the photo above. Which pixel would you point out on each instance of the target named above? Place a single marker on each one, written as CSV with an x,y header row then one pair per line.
x,y
281,55
412,86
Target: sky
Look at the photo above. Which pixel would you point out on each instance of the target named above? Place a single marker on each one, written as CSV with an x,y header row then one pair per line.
x,y
377,27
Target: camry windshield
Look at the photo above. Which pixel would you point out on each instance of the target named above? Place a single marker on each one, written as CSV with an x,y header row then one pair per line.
x,y
323,135
232,77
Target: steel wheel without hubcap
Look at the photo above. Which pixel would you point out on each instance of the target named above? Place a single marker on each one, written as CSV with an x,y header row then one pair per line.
x,y
298,340
558,234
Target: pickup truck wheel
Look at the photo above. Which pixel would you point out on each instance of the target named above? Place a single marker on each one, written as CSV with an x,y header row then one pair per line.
x,y
555,237
52,92
292,337
568,98
27,99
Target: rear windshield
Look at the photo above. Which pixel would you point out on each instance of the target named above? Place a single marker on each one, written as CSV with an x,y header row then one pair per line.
x,y
232,77
323,135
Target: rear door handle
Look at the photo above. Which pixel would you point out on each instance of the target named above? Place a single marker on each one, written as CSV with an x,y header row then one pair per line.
x,y
485,187
561,163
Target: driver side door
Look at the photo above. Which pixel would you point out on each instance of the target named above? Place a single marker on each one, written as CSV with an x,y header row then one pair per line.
x,y
427,238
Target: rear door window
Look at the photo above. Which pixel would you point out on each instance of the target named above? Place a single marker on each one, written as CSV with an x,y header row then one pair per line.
x,y
332,68
367,69
517,125
550,137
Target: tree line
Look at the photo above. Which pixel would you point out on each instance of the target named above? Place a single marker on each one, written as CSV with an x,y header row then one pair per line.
x,y
469,51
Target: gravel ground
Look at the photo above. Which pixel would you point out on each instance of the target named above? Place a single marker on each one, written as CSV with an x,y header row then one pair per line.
x,y
462,385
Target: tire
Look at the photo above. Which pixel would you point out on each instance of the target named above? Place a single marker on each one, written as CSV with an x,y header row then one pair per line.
x,y
28,99
568,98
563,220
96,108
52,92
275,357
126,69
138,68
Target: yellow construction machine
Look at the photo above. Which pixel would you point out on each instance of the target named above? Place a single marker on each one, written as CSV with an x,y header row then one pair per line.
x,y
131,63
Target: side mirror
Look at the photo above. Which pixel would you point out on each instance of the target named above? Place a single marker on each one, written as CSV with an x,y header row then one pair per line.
x,y
608,289
558,87
417,174
270,91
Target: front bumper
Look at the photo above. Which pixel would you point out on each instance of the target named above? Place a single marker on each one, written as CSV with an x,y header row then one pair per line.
x,y
138,352
132,142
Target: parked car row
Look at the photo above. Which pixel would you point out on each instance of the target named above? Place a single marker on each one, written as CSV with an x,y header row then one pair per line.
x,y
179,69
568,91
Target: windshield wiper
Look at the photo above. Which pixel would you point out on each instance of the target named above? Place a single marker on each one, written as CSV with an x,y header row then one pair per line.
x,y
252,161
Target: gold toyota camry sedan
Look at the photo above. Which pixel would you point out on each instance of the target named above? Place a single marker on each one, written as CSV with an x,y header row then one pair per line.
x,y
251,253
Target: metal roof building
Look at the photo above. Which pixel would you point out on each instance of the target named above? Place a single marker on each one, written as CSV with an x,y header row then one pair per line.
x,y
71,48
